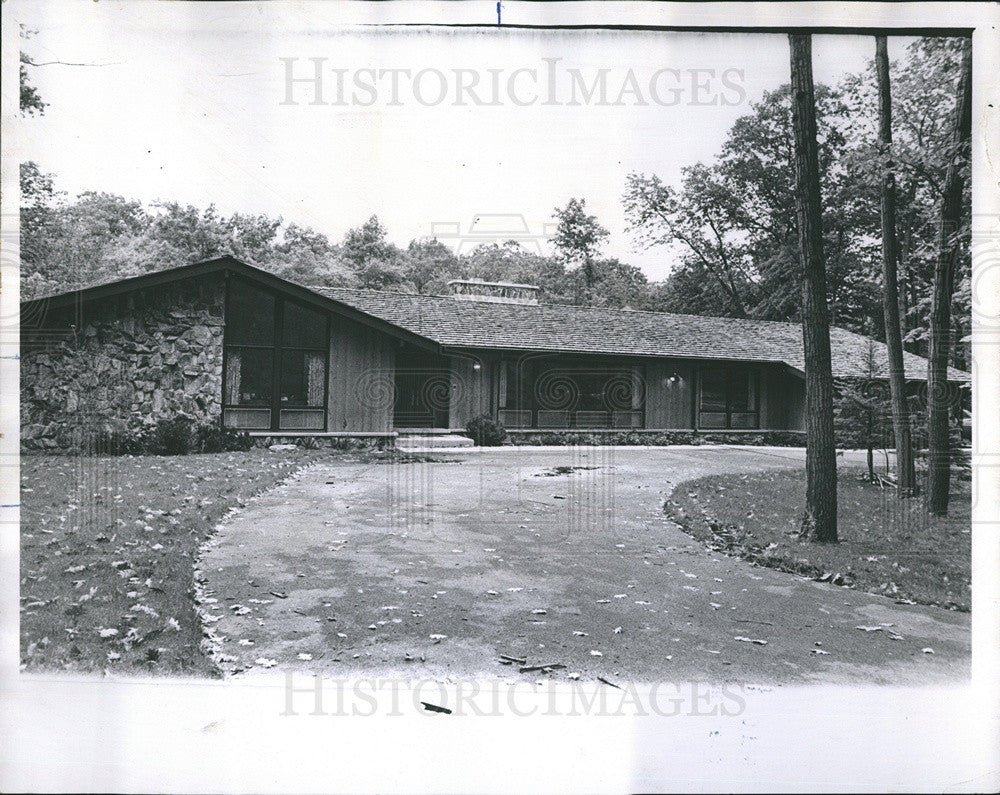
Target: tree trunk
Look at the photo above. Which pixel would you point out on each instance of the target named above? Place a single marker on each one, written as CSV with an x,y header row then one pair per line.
x,y
820,521
905,476
939,454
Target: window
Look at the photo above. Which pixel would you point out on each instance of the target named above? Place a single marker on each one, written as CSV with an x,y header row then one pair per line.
x,y
566,392
729,399
275,362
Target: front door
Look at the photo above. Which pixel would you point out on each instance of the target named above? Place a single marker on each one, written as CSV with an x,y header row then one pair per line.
x,y
423,390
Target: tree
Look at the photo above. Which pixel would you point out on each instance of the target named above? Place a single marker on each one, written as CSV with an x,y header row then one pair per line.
x,y
578,240
949,233
700,219
860,408
923,99
308,257
905,477
820,521
512,262
375,261
428,266
31,102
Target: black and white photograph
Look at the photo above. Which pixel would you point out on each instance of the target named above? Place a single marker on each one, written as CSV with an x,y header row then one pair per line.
x,y
500,397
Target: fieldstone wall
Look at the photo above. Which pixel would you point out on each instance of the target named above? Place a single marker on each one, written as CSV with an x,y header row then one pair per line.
x,y
655,437
122,365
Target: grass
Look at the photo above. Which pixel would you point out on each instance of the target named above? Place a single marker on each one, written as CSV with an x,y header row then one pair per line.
x,y
108,548
887,546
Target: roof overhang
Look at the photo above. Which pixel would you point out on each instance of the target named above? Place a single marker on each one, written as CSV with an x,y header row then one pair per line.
x,y
225,265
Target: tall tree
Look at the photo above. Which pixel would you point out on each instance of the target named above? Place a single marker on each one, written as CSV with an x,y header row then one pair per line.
x,y
820,521
949,235
578,240
428,265
905,477
375,261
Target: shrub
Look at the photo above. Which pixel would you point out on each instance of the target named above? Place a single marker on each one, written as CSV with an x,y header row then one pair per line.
x,y
173,436
116,441
214,439
486,431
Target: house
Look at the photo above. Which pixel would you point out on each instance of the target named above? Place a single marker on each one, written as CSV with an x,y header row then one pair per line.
x,y
226,343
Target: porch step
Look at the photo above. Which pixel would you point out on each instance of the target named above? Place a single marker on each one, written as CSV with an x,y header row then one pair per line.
x,y
415,442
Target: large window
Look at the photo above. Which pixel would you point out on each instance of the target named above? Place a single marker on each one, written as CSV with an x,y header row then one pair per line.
x,y
565,392
276,360
728,399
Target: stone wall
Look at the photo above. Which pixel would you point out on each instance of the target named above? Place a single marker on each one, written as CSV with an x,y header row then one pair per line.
x,y
656,438
124,364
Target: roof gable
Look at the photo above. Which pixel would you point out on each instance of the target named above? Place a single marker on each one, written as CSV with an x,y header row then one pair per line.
x,y
224,264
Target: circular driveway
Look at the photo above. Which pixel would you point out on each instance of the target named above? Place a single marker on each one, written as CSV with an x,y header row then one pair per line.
x,y
468,564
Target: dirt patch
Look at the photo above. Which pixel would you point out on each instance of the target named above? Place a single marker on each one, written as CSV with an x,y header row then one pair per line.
x,y
561,470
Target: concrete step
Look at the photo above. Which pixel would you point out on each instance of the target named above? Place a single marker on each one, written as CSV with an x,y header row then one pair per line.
x,y
414,442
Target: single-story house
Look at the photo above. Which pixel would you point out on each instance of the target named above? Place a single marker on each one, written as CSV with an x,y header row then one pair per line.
x,y
226,343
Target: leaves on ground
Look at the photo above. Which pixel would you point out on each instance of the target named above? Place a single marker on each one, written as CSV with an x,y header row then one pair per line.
x,y
108,547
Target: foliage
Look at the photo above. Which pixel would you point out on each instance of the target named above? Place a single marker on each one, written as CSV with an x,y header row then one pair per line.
x,y
731,223
123,558
486,431
30,101
887,546
173,436
212,438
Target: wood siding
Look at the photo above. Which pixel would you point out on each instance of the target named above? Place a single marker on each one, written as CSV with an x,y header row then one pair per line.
x,y
362,372
472,390
669,404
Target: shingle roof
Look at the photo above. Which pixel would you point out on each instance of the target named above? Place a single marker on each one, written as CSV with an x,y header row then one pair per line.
x,y
572,329
466,323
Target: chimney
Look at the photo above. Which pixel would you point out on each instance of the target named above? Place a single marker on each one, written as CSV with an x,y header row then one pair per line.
x,y
496,292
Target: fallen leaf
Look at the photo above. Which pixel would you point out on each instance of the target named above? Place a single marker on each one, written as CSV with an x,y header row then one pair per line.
x,y
756,641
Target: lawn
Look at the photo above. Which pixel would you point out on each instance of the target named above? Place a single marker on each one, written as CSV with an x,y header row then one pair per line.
x,y
887,546
107,553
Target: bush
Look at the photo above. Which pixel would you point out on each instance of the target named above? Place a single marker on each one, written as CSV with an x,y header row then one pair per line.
x,y
214,439
115,441
174,436
486,431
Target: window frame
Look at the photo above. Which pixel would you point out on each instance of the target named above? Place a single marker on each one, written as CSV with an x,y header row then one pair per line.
x,y
278,349
730,374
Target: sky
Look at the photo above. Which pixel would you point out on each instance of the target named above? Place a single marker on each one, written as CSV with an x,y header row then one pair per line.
x,y
191,103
